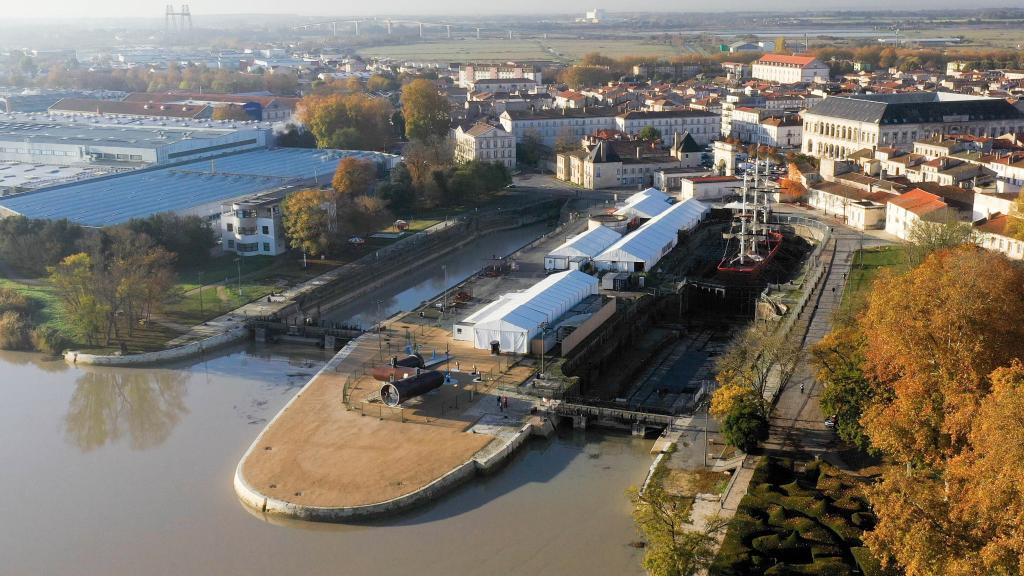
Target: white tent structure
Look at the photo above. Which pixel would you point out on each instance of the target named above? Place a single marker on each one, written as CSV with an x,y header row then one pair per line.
x,y
514,319
642,249
645,205
581,247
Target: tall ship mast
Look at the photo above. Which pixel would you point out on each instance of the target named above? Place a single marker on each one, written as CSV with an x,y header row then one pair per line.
x,y
751,243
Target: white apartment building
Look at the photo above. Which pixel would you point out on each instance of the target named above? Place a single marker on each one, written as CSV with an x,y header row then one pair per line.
x,y
471,73
485,143
703,126
841,125
253,227
550,125
787,69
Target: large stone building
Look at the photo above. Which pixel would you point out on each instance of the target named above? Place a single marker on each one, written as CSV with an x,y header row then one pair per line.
x,y
703,126
841,125
568,124
789,69
472,73
485,143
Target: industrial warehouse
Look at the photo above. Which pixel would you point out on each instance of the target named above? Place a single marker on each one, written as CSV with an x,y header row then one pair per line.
x,y
198,187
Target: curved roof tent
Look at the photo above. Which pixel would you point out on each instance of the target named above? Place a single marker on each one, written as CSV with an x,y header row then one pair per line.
x,y
642,249
515,318
646,204
588,244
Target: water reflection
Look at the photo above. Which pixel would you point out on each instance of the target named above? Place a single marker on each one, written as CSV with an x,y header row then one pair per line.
x,y
142,406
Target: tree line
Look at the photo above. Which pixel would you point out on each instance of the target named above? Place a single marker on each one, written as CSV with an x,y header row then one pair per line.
x,y
927,373
107,280
72,75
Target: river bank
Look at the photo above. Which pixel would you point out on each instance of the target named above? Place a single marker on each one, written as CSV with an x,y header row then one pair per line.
x,y
150,495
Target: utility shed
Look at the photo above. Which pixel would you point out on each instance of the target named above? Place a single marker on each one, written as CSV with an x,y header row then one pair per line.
x,y
511,322
642,249
581,248
645,205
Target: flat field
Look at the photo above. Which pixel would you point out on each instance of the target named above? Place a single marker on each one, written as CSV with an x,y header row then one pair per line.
x,y
501,50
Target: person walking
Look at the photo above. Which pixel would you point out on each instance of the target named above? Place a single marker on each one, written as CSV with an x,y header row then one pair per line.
x,y
801,388
499,403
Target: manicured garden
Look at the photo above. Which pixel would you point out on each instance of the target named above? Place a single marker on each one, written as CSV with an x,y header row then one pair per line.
x,y
799,519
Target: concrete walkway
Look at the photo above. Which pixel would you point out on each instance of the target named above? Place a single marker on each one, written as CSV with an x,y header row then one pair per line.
x,y
797,424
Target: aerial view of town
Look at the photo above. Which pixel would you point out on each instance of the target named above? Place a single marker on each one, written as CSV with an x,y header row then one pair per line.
x,y
665,288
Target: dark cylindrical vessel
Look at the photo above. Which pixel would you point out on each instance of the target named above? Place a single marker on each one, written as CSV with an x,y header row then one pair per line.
x,y
394,393
397,369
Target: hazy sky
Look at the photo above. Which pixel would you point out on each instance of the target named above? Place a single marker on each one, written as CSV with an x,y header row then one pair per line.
x,y
155,8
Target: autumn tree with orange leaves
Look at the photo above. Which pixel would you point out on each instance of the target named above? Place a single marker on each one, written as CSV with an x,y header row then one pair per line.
x,y
942,353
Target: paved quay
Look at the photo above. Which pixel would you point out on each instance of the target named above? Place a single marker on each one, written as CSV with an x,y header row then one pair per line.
x,y
336,452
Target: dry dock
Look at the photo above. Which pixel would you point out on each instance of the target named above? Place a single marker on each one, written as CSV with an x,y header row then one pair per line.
x,y
336,452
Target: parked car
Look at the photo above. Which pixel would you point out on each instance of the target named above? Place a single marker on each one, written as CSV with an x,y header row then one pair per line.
x,y
830,422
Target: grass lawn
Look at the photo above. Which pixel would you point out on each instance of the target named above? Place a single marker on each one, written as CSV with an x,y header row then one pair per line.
x,y
415,225
867,264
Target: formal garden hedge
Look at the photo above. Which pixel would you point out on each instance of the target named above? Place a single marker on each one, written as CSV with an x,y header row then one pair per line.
x,y
799,519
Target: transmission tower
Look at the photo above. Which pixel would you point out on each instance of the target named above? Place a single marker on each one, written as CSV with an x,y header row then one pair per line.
x,y
177,21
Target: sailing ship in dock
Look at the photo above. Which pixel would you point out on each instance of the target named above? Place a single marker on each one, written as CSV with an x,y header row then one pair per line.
x,y
751,243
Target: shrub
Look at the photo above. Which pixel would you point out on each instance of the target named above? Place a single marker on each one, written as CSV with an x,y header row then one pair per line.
x,y
13,301
863,520
868,564
776,515
48,339
12,331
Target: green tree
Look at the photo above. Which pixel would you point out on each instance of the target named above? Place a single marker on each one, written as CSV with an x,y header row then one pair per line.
x,y
649,133
838,359
745,425
398,193
673,547
926,237
73,280
528,151
427,113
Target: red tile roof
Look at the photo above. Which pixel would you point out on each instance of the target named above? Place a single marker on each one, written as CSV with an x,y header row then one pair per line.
x,y
794,60
919,202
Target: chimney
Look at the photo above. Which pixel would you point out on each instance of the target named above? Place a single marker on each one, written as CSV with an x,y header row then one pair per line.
x,y
637,152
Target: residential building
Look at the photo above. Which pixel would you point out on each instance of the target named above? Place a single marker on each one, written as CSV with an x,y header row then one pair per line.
x,y
709,188
841,125
905,210
503,85
253,227
602,166
471,73
789,69
485,143
703,127
994,233
857,208
568,124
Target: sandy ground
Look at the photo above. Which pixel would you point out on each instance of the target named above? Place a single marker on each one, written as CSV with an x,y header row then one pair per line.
x,y
325,452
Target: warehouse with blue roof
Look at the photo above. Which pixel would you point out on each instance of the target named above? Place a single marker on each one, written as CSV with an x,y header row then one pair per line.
x,y
198,187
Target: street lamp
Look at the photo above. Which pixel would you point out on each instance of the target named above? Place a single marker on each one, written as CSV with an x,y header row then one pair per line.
x,y
444,304
201,313
238,263
543,344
